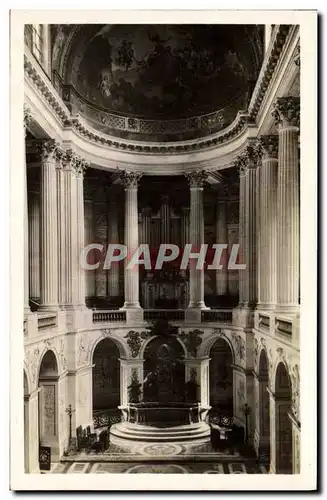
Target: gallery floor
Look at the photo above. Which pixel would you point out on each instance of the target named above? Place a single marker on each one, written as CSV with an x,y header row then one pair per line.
x,y
157,458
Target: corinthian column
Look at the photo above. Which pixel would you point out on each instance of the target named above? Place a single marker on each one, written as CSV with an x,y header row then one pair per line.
x,y
80,166
241,273
196,181
131,285
221,238
268,222
287,115
34,245
113,238
250,236
49,237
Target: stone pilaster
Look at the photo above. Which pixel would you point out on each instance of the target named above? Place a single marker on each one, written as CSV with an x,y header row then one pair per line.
x,y
131,285
196,181
268,223
146,225
197,369
34,245
222,238
113,238
165,219
287,113
48,234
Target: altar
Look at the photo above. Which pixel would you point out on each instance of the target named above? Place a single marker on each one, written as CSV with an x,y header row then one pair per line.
x,y
165,290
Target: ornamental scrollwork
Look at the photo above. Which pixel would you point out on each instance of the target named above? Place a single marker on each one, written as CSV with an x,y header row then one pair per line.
x,y
32,358
46,150
83,353
295,377
135,340
192,341
269,145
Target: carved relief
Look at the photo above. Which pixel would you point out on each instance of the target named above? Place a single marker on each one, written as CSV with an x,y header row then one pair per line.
x,y
269,145
83,353
192,341
295,377
197,178
255,354
62,355
32,358
129,179
239,345
49,409
135,340
287,111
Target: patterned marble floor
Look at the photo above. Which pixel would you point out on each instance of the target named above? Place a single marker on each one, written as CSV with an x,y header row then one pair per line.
x,y
157,468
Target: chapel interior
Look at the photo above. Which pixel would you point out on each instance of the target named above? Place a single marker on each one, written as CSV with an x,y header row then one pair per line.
x,y
148,135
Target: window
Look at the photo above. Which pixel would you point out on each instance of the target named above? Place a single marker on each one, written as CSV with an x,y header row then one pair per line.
x,y
37,46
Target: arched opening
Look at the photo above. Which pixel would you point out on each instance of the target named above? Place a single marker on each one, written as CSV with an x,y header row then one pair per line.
x,y
26,423
221,377
164,371
283,401
264,409
48,404
106,376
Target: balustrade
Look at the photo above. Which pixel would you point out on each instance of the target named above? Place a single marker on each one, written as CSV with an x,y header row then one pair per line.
x,y
109,317
217,316
46,321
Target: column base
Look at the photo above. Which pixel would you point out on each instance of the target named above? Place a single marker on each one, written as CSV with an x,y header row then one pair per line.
x,y
48,308
198,305
266,307
287,309
130,305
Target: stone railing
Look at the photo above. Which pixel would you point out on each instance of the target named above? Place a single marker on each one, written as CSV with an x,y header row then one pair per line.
x,y
283,327
109,317
217,316
169,314
147,413
105,418
46,321
264,322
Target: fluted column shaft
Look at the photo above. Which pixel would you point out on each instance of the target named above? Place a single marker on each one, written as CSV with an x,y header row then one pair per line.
x,y
26,244
89,239
242,236
131,284
268,223
113,238
81,166
196,284
287,115
221,238
185,226
250,237
165,220
48,235
34,245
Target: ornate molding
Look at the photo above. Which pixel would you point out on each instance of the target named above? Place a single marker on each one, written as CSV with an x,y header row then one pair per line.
x,y
269,145
297,57
239,346
196,179
287,111
279,37
27,118
47,150
74,162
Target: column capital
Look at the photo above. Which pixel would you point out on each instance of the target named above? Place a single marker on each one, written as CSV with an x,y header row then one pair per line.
x,y
47,150
130,180
269,146
197,178
287,111
72,161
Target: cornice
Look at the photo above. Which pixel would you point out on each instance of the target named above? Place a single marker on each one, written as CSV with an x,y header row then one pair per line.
x,y
274,51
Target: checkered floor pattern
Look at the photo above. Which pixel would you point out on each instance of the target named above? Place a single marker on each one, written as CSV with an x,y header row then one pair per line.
x,y
157,468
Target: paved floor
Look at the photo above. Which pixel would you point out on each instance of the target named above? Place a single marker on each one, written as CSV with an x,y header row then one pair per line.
x,y
157,468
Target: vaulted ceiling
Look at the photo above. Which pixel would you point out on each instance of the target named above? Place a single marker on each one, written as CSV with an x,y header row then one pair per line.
x,y
159,72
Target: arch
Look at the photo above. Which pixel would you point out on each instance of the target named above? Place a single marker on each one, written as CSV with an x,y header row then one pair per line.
x,y
27,380
164,370
207,344
283,361
106,375
221,380
123,352
263,408
45,353
284,432
147,341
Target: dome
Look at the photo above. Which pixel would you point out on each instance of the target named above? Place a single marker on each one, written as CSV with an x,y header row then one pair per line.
x,y
159,82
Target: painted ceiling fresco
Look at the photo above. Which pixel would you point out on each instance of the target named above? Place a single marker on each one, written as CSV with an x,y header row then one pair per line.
x,y
168,71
